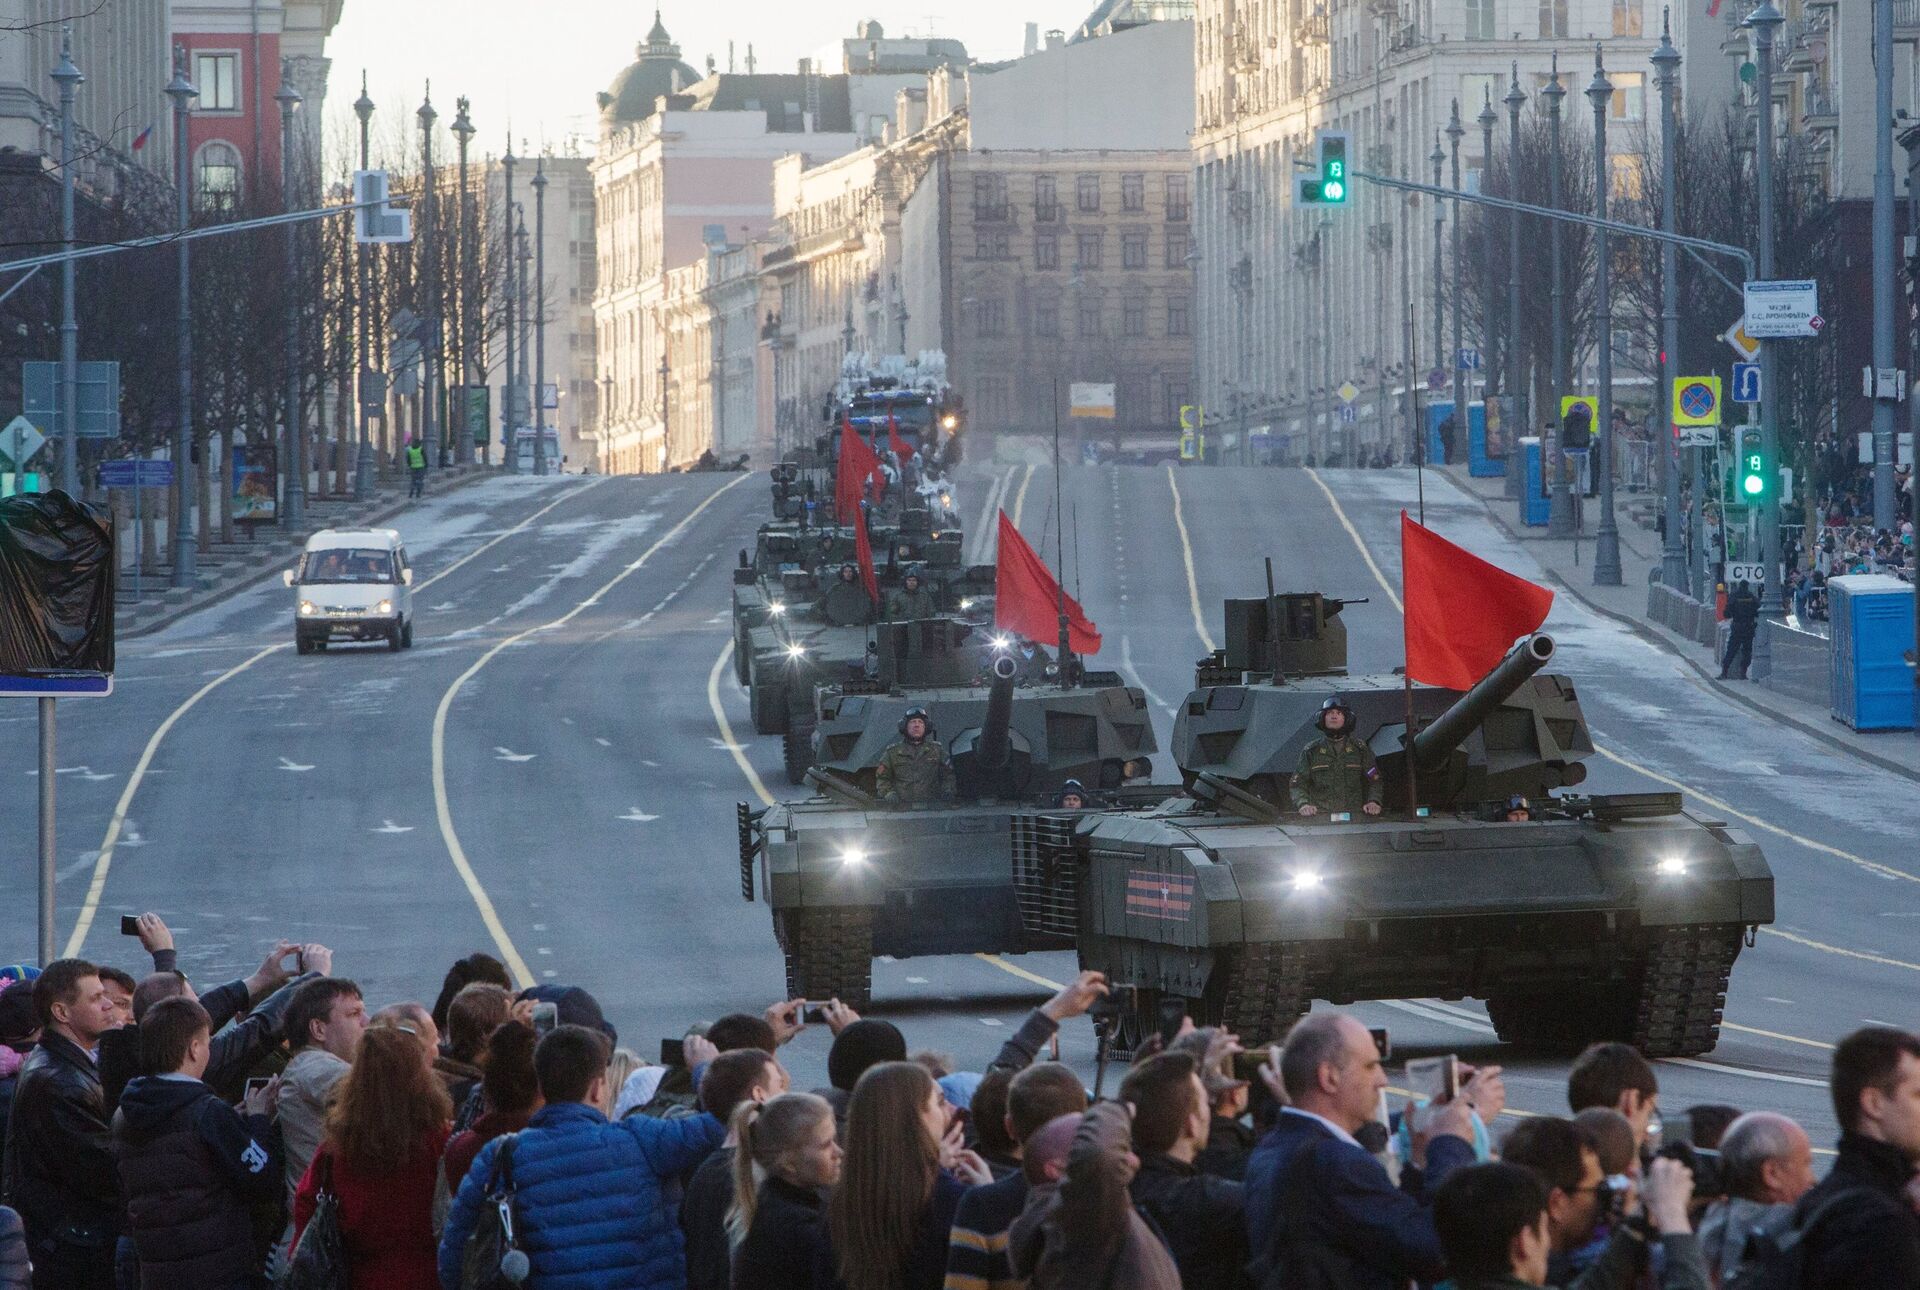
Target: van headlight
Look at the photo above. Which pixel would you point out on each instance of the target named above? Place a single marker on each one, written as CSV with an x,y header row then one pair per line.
x,y
384,607
308,608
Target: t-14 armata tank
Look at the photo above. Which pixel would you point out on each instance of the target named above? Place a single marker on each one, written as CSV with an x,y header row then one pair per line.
x,y
1610,916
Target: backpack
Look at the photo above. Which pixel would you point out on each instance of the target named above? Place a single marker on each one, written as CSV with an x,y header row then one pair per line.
x,y
492,1258
319,1260
1776,1258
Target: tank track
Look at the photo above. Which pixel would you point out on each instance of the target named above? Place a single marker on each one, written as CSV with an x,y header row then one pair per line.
x,y
1266,991
796,750
829,954
767,702
742,654
1683,990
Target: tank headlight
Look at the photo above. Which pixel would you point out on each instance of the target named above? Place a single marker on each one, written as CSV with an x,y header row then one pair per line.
x,y
384,607
1003,642
946,499
1672,866
966,603
308,607
1305,880
853,856
949,421
796,651
776,609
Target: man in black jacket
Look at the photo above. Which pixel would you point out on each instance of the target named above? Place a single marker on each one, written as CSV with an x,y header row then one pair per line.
x,y
1868,1238
1201,1218
1743,611
58,1170
190,1165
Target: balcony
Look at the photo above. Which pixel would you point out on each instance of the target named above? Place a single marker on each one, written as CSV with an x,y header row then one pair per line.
x,y
995,213
1047,214
1314,28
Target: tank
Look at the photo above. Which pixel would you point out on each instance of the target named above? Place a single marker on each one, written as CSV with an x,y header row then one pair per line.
x,y
849,877
1603,917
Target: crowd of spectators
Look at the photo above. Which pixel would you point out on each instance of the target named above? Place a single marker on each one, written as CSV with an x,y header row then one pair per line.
x,y
273,1130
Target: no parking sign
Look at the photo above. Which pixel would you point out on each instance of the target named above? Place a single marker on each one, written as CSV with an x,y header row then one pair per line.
x,y
1696,400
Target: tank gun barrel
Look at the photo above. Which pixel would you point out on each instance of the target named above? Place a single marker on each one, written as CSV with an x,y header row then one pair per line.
x,y
993,747
1432,745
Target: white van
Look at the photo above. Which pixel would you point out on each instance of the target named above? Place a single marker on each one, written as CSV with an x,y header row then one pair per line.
x,y
352,584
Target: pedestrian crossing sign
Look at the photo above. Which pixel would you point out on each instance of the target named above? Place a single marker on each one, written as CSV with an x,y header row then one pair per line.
x,y
1696,400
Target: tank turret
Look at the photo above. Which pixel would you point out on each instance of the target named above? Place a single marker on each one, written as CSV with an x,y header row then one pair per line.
x,y
985,760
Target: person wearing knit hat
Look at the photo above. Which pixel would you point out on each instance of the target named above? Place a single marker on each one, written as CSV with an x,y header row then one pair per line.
x,y
863,1045
19,1030
1229,1140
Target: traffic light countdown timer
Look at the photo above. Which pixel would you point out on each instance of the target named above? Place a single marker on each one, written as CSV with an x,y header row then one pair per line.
x,y
1330,184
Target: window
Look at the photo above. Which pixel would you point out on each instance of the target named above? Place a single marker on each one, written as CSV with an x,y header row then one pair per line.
x,y
990,396
1088,320
1046,317
1553,17
1629,96
1176,318
1173,398
1133,317
1177,245
990,197
1046,251
217,77
1479,19
1176,197
990,244
1046,202
1088,189
990,318
1087,251
1133,250
218,180
1133,192
1627,18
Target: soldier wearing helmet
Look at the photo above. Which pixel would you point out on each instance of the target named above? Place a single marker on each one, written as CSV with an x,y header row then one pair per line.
x,y
1337,772
1072,796
913,601
914,769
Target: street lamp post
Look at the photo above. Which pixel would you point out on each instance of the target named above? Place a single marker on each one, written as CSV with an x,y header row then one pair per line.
x,y
1489,335
666,374
69,78
1884,285
296,448
1520,421
540,316
1327,396
433,352
509,410
522,255
1666,61
181,91
363,460
1765,21
1462,432
1606,541
1560,506
1439,159
463,132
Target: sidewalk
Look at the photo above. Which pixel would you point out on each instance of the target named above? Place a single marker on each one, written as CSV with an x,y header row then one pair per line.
x,y
226,569
1897,751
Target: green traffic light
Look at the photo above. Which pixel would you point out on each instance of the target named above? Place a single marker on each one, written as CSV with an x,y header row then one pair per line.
x,y
1753,485
1334,191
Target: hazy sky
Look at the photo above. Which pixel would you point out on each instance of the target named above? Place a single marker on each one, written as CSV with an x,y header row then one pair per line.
x,y
540,62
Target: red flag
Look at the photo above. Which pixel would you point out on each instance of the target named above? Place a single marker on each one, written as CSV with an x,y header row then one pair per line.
x,y
858,463
1026,598
1462,614
863,555
901,453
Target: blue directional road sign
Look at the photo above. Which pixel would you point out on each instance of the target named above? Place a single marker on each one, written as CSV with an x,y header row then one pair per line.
x,y
1469,359
57,685
1348,416
1746,383
136,472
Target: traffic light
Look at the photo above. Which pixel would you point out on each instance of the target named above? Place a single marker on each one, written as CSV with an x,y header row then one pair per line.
x,y
1749,466
1331,182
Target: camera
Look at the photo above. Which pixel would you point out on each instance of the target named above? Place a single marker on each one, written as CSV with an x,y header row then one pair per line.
x,y
1676,1143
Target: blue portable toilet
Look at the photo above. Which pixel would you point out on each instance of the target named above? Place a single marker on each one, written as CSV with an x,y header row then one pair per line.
x,y
1476,433
1535,506
1872,622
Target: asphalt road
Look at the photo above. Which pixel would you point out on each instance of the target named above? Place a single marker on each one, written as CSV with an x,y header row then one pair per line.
x,y
550,774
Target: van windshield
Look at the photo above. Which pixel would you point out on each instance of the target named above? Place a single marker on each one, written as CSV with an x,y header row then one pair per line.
x,y
348,564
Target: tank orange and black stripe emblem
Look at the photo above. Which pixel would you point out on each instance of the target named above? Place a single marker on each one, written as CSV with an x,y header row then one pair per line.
x,y
1151,894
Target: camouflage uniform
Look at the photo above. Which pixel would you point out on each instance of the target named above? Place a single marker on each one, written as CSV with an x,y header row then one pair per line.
x,y
1336,774
910,772
905,606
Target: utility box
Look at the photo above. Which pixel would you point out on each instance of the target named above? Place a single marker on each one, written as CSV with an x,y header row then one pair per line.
x,y
1536,507
1872,624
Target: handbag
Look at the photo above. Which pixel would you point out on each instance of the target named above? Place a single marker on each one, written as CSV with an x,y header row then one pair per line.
x,y
319,1259
492,1258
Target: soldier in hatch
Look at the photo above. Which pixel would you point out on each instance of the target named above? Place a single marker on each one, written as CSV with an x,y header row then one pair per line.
x,y
1336,772
916,768
913,601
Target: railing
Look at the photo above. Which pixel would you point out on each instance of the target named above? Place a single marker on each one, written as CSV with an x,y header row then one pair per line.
x,y
1048,214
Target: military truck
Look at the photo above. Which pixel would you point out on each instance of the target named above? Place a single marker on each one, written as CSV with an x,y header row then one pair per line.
x,y
849,876
1609,916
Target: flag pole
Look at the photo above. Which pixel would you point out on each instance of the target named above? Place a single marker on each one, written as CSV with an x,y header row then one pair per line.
x,y
1406,677
1065,677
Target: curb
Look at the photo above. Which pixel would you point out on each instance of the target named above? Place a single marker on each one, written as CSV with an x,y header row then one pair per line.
x,y
1648,632
214,595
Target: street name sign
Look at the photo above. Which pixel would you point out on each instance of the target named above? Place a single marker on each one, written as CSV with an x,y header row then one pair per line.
x,y
1783,309
136,472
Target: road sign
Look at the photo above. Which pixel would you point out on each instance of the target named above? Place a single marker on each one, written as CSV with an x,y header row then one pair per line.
x,y
1192,416
377,220
1348,415
1348,391
1469,359
1787,308
1090,399
98,384
19,441
1570,401
1751,573
136,472
57,685
550,397
1743,344
1746,382
1696,436
1696,400
1436,380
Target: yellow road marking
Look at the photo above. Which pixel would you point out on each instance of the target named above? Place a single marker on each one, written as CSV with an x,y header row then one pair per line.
x,y
726,728
1339,513
1020,498
442,807
103,864
1186,556
1019,971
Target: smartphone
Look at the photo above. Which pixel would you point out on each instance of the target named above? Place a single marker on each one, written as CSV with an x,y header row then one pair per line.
x,y
814,1014
129,925
1676,1129
673,1052
1173,1014
257,1082
1435,1078
545,1017
1382,1042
